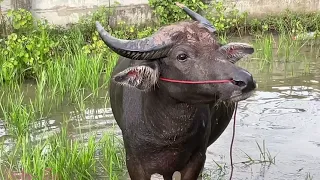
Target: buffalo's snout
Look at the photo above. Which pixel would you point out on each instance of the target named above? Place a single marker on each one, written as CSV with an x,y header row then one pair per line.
x,y
244,80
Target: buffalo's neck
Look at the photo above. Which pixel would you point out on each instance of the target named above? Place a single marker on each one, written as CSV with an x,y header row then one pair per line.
x,y
170,120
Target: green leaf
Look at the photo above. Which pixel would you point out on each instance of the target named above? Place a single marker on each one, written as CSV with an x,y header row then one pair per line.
x,y
29,47
18,16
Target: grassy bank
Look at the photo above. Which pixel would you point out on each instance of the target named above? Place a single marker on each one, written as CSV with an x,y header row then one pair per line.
x,y
74,80
29,46
63,68
71,67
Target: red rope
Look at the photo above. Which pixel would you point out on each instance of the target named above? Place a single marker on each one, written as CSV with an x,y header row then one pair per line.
x,y
232,140
195,82
235,112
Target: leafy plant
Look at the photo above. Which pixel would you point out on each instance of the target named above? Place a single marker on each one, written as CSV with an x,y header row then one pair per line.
x,y
225,20
22,20
86,24
26,53
27,49
96,47
168,12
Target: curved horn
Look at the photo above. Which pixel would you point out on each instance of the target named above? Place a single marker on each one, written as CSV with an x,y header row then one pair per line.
x,y
197,17
139,49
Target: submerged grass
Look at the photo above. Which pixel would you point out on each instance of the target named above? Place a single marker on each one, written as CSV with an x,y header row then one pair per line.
x,y
17,117
271,49
265,156
61,157
264,47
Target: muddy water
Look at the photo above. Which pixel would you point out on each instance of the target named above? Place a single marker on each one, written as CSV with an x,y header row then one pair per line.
x,y
284,112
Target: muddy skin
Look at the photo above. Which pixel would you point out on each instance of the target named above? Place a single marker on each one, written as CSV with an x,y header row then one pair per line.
x,y
167,127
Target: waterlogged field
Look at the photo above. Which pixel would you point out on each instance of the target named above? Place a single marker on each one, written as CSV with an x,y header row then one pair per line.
x,y
61,127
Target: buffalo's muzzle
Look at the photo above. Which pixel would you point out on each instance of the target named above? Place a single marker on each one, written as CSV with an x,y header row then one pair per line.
x,y
245,81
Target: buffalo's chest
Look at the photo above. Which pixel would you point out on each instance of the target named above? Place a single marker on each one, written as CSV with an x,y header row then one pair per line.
x,y
173,156
167,161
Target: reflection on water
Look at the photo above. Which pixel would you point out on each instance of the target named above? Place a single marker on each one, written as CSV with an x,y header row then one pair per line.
x,y
290,128
284,112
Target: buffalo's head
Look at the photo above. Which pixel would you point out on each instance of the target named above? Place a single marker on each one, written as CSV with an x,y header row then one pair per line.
x,y
184,51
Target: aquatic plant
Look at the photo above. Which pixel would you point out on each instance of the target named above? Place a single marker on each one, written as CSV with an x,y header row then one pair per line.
x,y
265,156
62,157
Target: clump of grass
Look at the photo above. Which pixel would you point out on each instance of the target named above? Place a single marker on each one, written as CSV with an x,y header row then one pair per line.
x,y
39,102
71,73
264,48
265,156
286,22
17,116
85,71
113,157
111,62
70,159
271,49
62,157
287,48
309,176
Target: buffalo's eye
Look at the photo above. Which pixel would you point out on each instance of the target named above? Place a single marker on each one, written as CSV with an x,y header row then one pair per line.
x,y
182,57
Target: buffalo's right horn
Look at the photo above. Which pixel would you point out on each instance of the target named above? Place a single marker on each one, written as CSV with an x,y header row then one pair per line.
x,y
140,49
197,17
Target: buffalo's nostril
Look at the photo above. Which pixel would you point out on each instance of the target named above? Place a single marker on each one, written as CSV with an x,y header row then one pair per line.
x,y
244,80
239,83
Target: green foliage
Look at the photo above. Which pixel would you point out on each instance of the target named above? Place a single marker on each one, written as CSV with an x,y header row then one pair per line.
x,y
96,47
287,22
216,11
147,31
168,12
86,24
26,53
223,19
22,20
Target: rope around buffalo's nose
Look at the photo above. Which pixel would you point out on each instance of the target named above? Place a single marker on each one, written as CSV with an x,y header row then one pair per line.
x,y
235,111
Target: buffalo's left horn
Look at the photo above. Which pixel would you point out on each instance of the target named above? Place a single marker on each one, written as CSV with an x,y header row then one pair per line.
x,y
140,49
197,17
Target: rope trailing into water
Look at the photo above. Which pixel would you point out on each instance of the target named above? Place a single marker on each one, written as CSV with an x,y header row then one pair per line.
x,y
232,140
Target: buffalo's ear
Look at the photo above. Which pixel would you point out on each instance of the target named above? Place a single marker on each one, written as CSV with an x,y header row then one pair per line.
x,y
236,51
142,77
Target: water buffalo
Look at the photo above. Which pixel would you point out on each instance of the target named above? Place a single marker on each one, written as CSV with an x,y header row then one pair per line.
x,y
168,126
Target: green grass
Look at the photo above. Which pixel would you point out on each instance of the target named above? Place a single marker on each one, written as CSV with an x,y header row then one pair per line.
x,y
287,48
74,78
272,49
61,154
66,158
264,48
17,116
265,156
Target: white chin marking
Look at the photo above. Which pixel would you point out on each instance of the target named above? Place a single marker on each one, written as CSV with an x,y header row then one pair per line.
x,y
156,177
